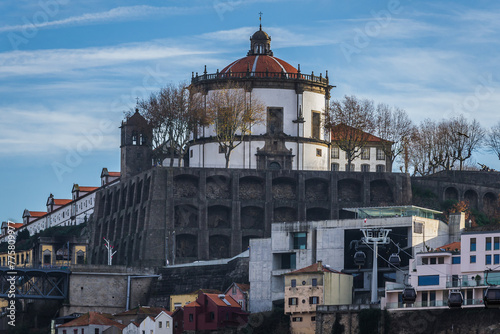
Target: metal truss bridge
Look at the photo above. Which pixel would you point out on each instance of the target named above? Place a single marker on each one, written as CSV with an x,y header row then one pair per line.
x,y
34,283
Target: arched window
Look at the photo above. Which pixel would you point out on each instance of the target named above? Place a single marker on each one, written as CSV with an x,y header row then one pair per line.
x,y
274,165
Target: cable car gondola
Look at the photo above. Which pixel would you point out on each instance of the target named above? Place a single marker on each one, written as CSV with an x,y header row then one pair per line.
x,y
409,295
492,297
359,258
455,299
395,260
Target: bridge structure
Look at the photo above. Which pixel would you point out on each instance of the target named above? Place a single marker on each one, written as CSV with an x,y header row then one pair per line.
x,y
34,283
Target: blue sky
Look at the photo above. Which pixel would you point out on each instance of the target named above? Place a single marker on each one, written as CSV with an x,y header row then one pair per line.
x,y
69,69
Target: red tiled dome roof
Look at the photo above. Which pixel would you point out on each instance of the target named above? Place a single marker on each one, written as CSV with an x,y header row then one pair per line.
x,y
259,63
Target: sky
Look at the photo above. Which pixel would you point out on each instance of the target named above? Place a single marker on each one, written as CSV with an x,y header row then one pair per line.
x,y
70,69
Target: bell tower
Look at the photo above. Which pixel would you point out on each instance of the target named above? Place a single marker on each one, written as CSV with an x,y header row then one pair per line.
x,y
136,149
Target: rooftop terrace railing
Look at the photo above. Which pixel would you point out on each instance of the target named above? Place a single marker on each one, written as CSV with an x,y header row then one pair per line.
x,y
259,75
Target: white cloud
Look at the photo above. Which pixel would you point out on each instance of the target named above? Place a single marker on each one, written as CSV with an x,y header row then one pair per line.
x,y
119,13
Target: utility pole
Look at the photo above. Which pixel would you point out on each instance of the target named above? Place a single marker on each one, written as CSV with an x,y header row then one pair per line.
x,y
110,251
375,236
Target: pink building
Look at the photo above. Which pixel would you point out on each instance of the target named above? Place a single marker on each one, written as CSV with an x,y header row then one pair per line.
x,y
468,266
239,292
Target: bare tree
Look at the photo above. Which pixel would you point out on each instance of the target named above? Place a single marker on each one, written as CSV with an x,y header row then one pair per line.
x,y
233,115
394,126
174,114
465,138
493,140
350,122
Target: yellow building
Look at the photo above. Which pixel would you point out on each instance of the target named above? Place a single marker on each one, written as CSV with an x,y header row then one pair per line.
x,y
311,286
178,301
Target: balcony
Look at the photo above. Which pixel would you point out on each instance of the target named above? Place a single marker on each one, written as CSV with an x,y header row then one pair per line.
x,y
435,303
394,286
465,284
260,75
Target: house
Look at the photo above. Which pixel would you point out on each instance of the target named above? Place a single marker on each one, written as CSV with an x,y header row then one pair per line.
x,y
314,285
138,314
239,292
212,312
178,319
370,151
161,324
178,301
468,266
90,323
132,328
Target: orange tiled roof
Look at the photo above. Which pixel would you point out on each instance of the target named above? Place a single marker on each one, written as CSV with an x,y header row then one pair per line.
x,y
219,302
94,318
451,247
336,133
61,201
88,189
314,268
192,304
243,287
37,213
114,174
16,225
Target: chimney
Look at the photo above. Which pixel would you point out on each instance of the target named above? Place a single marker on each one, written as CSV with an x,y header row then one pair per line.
x,y
320,265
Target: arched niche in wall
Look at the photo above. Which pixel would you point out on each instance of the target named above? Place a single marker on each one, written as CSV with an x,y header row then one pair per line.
x,y
284,188
316,190
220,247
284,214
451,194
185,186
251,188
185,216
252,217
490,205
349,190
471,197
380,192
218,187
219,217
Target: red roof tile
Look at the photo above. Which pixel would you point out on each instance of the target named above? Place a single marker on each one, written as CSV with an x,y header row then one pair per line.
x,y
315,268
94,318
88,189
37,213
451,247
61,201
243,287
143,310
219,302
337,130
192,304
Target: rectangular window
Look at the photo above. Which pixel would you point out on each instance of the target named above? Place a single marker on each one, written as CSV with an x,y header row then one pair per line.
x,y
313,318
297,319
472,259
319,152
496,244
365,153
159,324
300,240
365,168
294,283
433,260
380,154
425,261
96,331
335,152
212,315
496,259
440,260
428,280
222,149
288,261
349,170
191,153
316,125
191,318
314,282
274,120
335,167
380,168
488,243
472,244
455,260
292,301
313,300
488,259
168,324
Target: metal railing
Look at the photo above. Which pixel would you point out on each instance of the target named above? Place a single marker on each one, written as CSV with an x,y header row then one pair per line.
x,y
260,75
465,284
434,303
